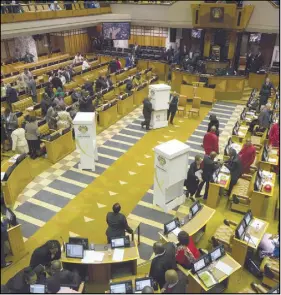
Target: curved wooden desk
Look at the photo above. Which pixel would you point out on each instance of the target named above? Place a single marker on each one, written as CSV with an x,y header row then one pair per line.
x,y
104,271
17,181
227,87
256,80
193,226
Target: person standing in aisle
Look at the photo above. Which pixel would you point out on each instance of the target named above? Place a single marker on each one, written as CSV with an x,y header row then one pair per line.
x,y
147,110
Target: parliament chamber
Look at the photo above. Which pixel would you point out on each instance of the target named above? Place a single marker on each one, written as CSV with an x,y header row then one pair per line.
x,y
140,147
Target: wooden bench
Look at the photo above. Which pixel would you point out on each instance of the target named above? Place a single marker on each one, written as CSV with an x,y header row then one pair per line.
x,y
22,105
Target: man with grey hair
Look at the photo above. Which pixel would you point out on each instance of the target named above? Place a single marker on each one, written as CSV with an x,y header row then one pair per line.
x,y
65,276
264,116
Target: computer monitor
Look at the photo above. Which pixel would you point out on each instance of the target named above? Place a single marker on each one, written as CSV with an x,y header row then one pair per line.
x,y
80,241
240,230
248,217
143,282
38,289
200,263
74,251
120,242
265,155
171,225
195,208
125,287
258,183
217,253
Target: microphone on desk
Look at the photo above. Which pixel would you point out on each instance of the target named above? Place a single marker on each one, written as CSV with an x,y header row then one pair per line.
x,y
63,244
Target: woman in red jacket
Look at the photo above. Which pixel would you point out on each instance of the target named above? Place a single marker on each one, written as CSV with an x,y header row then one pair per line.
x,y
187,253
274,135
247,155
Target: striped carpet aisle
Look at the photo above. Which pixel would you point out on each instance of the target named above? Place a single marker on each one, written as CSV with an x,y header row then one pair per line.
x,y
151,217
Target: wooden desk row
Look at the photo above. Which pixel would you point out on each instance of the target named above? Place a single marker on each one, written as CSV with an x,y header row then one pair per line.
x,y
256,80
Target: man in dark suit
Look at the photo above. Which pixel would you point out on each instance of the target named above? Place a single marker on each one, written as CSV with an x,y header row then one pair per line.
x,y
45,254
65,276
176,282
107,81
56,81
165,259
234,165
20,283
147,110
117,223
265,92
12,95
100,84
209,167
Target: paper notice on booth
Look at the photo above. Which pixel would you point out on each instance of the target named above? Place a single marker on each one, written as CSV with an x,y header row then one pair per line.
x,y
176,231
91,256
118,255
224,268
2,175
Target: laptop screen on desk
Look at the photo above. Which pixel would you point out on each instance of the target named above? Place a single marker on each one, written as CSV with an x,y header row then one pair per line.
x,y
194,208
141,283
74,251
199,265
119,242
170,226
248,217
37,289
125,287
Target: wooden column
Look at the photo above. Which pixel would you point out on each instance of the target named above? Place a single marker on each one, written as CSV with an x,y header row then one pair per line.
x,y
232,45
207,43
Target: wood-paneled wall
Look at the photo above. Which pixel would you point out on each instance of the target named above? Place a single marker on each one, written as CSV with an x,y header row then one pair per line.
x,y
148,40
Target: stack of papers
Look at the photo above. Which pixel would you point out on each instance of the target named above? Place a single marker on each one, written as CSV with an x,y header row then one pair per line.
x,y
176,231
271,160
91,256
118,255
225,170
223,267
257,224
207,278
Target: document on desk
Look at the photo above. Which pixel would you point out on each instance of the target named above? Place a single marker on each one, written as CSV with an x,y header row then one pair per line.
x,y
207,278
118,254
257,224
176,231
224,267
91,256
252,240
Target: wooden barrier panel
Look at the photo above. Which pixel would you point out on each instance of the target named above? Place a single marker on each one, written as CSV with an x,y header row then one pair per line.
x,y
16,240
256,80
60,147
108,117
126,105
140,95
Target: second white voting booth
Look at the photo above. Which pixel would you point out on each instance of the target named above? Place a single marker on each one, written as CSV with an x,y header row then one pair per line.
x,y
85,138
171,164
160,97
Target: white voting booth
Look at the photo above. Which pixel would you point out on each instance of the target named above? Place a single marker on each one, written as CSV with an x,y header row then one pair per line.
x,y
171,164
85,138
160,96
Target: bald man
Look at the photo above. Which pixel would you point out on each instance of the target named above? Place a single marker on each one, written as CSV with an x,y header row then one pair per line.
x,y
164,259
211,141
147,290
65,276
209,167
175,282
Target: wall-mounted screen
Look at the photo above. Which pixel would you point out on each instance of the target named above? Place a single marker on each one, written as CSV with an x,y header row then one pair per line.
x,y
255,38
116,31
196,33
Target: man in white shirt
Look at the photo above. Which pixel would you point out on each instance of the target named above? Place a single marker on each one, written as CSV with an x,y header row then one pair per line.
x,y
62,78
19,142
85,65
54,6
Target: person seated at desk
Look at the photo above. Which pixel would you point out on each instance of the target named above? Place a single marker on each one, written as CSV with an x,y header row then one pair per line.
x,y
211,141
54,287
108,81
214,122
45,254
187,253
65,277
63,118
209,167
147,290
117,223
274,135
100,84
264,116
175,282
163,260
265,92
247,155
85,102
19,142
129,87
192,180
88,86
137,80
20,283
234,165
11,95
85,65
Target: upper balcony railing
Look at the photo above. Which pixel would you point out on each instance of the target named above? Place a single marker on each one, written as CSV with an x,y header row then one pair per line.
x,y
276,4
41,11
